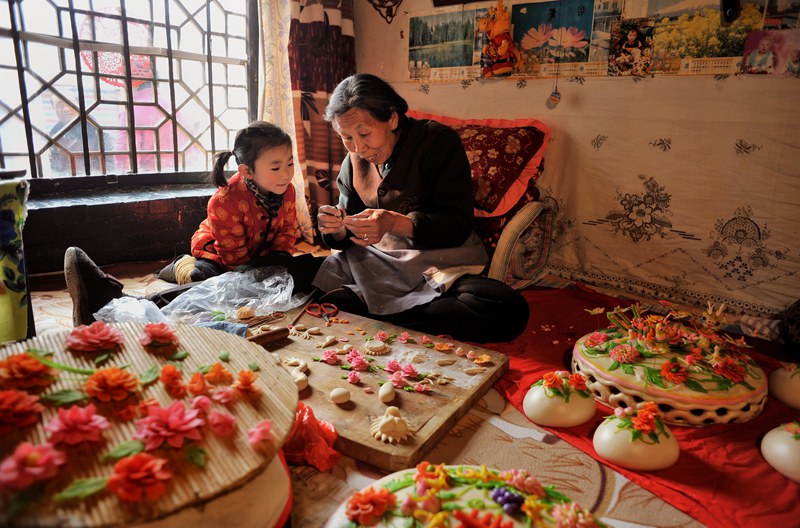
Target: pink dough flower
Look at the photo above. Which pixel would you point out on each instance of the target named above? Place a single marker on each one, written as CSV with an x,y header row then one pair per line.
x,y
330,357
793,428
201,403
29,464
425,340
624,353
354,377
409,506
359,363
398,380
382,335
622,412
393,366
422,387
524,481
221,424
260,435
174,425
573,515
77,424
159,336
223,394
594,339
97,337
353,354
410,371
404,337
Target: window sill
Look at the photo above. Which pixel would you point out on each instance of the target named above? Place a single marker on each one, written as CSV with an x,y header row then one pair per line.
x,y
114,195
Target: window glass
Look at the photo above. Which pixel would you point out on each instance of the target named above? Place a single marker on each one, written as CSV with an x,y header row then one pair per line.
x,y
138,98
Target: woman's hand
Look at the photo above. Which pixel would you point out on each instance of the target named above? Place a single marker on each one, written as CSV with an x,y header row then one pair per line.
x,y
330,221
370,225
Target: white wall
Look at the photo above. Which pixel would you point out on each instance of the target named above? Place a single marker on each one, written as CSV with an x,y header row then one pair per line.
x,y
711,187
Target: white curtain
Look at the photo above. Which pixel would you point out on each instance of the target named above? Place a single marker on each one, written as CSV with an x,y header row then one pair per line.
x,y
276,100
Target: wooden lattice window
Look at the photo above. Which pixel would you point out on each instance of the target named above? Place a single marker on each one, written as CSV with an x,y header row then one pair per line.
x,y
92,87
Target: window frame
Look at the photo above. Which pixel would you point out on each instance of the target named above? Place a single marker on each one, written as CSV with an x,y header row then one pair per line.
x,y
81,181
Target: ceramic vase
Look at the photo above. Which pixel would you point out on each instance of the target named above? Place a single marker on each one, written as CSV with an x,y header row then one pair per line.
x,y
784,385
782,452
551,410
643,454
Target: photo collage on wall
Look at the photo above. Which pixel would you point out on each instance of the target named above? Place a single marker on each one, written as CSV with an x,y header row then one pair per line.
x,y
603,38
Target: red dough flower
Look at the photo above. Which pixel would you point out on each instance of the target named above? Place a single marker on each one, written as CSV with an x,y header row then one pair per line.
x,y
311,440
578,381
138,476
97,337
159,337
674,372
171,377
197,385
218,375
111,384
728,368
18,409
23,371
552,380
246,384
367,507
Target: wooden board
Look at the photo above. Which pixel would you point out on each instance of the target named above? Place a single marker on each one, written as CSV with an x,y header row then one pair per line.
x,y
430,415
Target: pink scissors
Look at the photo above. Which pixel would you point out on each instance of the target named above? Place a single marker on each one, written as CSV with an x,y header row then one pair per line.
x,y
324,310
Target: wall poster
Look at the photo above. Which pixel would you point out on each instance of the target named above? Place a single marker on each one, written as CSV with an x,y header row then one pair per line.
x,y
607,37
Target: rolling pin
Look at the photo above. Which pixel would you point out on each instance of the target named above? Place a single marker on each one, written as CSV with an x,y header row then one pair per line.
x,y
270,336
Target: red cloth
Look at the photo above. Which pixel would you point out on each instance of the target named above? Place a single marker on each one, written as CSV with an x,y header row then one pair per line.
x,y
311,440
720,479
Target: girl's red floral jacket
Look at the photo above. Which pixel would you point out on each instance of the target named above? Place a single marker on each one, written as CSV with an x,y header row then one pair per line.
x,y
235,230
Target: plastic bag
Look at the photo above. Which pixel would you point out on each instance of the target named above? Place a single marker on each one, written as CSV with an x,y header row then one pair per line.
x,y
264,289
130,310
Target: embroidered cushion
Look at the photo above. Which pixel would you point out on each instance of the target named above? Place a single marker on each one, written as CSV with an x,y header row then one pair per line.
x,y
504,155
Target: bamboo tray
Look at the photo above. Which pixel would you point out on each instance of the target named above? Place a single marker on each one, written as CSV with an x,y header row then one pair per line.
x,y
231,461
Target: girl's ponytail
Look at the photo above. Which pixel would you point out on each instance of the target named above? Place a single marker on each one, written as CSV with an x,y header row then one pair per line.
x,y
217,175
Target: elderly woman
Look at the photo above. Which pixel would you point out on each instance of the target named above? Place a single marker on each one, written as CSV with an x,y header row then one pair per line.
x,y
404,224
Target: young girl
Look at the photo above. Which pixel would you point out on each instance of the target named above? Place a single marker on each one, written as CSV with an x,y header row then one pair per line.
x,y
252,214
251,222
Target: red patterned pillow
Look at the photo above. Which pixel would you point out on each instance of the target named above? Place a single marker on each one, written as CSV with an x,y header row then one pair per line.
x,y
503,154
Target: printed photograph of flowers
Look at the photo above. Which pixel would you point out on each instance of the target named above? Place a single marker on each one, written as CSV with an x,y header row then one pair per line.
x,y
686,30
552,32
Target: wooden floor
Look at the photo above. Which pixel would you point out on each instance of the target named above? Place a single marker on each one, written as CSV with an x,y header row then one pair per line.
x,y
52,306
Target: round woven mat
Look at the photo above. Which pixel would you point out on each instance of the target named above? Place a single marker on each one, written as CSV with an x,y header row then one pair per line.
x,y
230,462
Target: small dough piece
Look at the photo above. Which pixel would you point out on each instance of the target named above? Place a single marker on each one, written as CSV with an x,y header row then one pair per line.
x,y
387,393
245,312
340,395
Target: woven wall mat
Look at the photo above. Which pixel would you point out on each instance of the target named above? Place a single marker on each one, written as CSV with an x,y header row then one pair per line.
x,y
231,461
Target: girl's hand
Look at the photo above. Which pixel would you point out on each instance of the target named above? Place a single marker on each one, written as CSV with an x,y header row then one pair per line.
x,y
370,225
330,221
